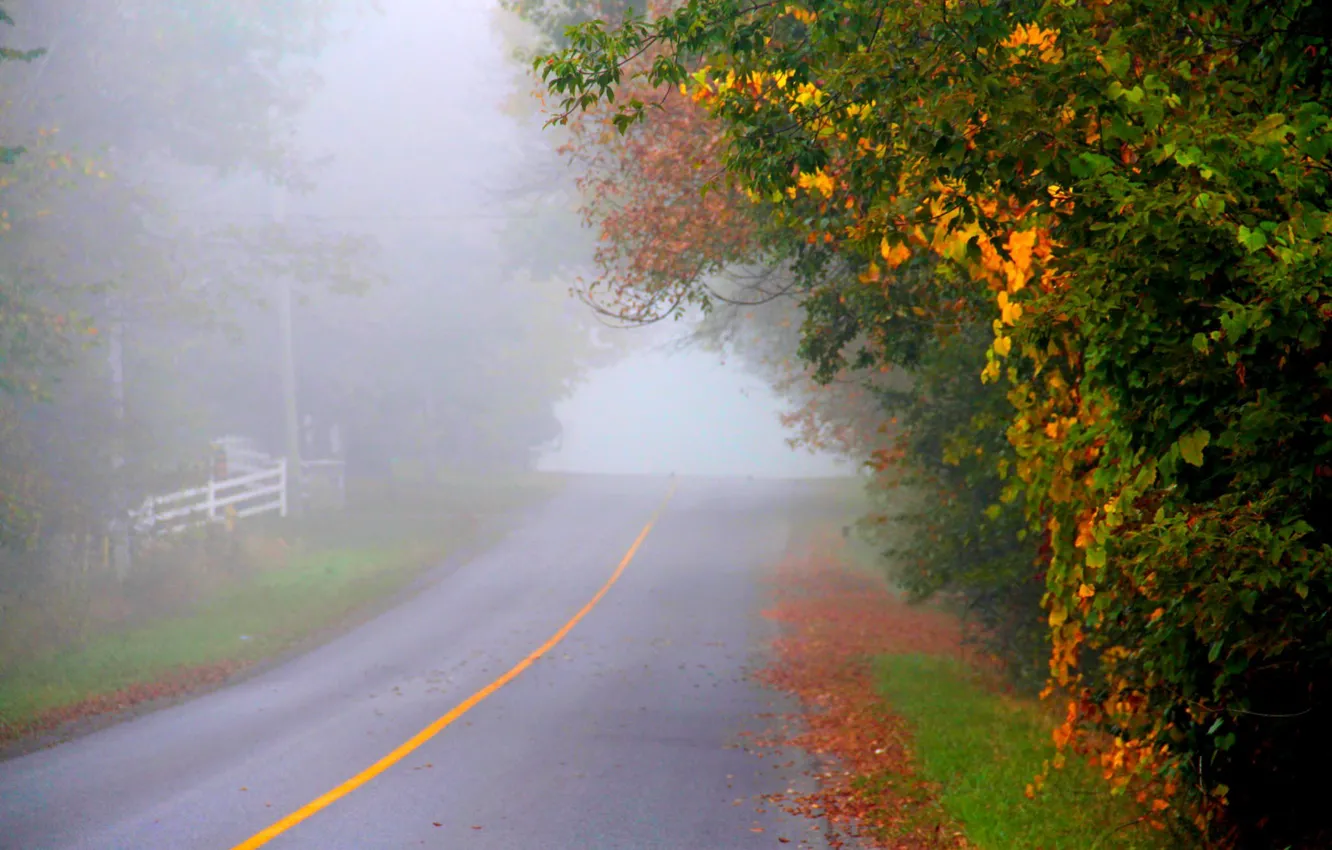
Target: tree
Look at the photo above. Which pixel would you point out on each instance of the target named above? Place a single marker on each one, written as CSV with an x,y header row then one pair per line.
x,y
95,237
1095,184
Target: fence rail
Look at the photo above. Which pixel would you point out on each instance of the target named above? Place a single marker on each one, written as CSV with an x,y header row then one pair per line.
x,y
251,494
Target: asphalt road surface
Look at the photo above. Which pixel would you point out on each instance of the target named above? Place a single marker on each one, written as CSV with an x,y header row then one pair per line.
x,y
625,734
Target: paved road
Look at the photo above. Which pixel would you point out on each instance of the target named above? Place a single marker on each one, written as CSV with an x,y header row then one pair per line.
x,y
625,735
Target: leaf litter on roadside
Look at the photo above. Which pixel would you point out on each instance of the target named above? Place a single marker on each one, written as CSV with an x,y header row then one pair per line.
x,y
168,685
833,623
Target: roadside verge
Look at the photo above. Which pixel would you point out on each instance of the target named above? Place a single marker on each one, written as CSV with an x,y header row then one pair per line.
x,y
921,745
197,621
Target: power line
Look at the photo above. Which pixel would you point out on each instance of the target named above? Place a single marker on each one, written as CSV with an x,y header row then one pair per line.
x,y
365,216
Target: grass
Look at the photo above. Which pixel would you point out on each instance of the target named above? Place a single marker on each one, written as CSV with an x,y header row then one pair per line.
x,y
261,616
328,568
982,749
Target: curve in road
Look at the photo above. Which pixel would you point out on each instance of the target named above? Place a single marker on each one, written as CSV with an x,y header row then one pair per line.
x,y
624,730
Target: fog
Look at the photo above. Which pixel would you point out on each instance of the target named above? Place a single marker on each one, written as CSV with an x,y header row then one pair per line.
x,y
449,146
664,411
289,330
387,165
327,243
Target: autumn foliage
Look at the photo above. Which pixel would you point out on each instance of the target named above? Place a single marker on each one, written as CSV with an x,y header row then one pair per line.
x,y
659,231
1131,198
662,226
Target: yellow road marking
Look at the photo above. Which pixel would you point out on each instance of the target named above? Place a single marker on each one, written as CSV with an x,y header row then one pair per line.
x,y
329,798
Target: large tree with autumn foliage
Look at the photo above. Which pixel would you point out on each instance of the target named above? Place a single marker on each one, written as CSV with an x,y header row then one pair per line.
x,y
1132,198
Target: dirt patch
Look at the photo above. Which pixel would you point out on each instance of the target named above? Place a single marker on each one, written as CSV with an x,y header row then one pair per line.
x,y
833,622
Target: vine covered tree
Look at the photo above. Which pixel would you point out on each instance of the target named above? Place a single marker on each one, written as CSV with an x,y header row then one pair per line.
x,y
1115,216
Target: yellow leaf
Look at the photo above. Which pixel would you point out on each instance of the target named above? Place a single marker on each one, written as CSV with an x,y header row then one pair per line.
x,y
803,15
819,180
1009,311
991,372
894,255
1058,615
807,93
1031,35
1020,245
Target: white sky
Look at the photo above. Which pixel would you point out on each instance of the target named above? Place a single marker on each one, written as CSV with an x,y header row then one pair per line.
x,y
681,412
420,89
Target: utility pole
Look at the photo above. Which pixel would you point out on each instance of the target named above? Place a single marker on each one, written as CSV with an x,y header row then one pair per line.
x,y
295,483
118,529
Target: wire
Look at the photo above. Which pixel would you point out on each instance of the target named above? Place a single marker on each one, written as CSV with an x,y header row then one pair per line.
x,y
368,217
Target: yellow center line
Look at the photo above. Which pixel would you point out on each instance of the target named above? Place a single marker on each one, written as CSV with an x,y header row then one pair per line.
x,y
406,748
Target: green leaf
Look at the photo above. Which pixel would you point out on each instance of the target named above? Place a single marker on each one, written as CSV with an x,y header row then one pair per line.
x,y
1273,128
1191,446
1253,240
1096,557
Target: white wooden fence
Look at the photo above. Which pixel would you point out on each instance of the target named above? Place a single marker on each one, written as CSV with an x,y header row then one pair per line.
x,y
250,494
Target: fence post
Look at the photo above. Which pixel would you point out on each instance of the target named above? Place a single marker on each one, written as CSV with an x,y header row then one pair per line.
x,y
282,490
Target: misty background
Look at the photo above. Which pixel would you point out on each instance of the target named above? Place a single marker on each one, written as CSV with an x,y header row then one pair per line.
x,y
335,229
458,154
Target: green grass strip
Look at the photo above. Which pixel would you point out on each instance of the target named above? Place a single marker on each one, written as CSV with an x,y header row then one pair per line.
x,y
261,616
983,749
